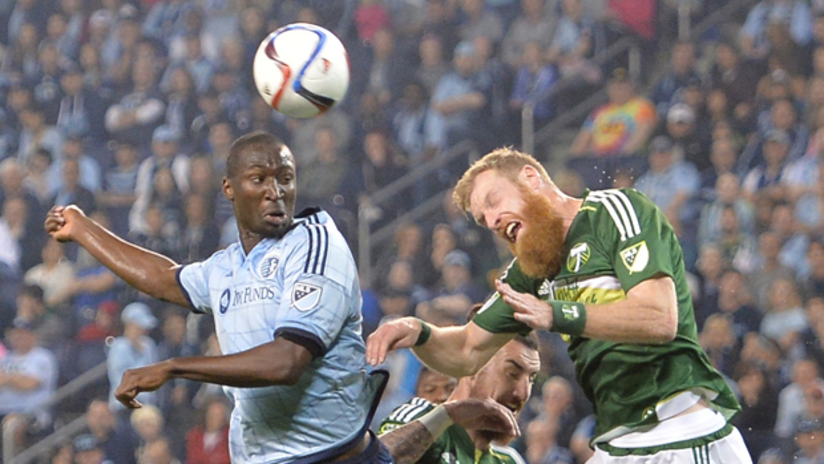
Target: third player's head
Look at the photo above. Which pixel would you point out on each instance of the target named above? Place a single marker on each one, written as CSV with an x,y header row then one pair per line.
x,y
260,183
508,376
510,193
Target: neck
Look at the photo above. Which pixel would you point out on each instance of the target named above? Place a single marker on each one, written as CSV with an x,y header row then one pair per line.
x,y
565,206
249,240
462,390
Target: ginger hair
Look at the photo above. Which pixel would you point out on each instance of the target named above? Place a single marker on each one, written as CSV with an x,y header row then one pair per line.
x,y
506,160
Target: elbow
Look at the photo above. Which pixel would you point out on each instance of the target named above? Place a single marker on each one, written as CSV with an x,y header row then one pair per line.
x,y
289,375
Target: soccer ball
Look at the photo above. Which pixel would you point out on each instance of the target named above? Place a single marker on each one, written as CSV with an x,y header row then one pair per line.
x,y
301,70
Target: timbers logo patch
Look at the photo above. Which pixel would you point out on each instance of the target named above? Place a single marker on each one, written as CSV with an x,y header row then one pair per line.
x,y
635,257
305,296
578,256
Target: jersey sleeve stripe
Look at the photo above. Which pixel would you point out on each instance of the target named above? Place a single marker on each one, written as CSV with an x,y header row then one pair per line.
x,y
599,199
630,209
623,213
325,250
311,247
413,412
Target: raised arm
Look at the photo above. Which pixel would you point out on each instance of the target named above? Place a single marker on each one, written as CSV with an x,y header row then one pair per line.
x,y
484,420
279,362
149,272
454,351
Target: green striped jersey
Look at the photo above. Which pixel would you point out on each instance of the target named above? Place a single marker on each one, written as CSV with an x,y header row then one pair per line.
x,y
618,239
454,446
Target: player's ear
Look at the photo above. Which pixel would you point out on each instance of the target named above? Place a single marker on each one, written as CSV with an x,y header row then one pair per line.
x,y
531,177
228,190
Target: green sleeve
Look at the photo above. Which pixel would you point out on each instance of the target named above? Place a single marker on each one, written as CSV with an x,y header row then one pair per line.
x,y
636,235
496,316
409,412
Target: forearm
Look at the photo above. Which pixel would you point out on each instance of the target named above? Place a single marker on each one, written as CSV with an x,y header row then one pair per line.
x,y
22,382
139,267
450,351
262,366
629,321
408,443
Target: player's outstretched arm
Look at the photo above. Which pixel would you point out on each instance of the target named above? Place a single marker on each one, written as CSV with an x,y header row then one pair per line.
x,y
484,420
279,362
149,272
649,314
454,351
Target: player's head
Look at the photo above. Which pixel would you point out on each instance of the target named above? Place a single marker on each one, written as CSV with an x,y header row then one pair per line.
x,y
509,375
434,386
509,193
260,183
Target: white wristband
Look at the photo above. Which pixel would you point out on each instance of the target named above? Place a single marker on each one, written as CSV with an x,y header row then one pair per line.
x,y
436,421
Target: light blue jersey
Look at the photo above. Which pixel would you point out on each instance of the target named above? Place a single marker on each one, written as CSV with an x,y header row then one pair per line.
x,y
302,287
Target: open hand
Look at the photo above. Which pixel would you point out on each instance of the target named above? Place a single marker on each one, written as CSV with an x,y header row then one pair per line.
x,y
144,379
400,333
528,309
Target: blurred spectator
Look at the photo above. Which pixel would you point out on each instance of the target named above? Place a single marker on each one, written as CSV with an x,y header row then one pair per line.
x,y
70,191
132,349
791,403
114,437
208,442
734,301
558,408
718,340
759,403
531,26
200,237
88,451
175,398
136,115
434,386
74,148
327,181
533,84
198,67
688,137
809,436
28,377
81,110
418,129
36,178
433,66
712,222
766,180
45,83
455,293
711,266
36,133
148,423
577,38
388,67
181,108
477,20
793,243
53,274
670,183
209,113
795,13
812,284
158,451
117,194
457,97
681,70
613,132
165,155
234,99
785,318
769,268
161,234
166,19
542,446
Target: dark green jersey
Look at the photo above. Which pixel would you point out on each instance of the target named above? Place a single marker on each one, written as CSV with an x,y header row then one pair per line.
x,y
618,239
454,446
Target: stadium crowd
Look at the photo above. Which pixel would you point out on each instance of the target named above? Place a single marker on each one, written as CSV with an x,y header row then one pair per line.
x,y
128,109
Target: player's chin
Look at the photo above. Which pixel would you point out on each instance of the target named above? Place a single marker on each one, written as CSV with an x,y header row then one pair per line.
x,y
275,229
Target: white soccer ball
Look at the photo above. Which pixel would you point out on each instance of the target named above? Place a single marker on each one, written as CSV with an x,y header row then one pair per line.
x,y
301,70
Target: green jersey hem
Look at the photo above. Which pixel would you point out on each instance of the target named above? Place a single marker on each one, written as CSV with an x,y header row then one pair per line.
x,y
650,450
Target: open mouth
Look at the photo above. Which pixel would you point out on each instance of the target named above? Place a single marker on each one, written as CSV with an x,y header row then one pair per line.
x,y
511,231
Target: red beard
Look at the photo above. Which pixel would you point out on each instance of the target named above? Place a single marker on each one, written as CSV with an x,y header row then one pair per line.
x,y
540,245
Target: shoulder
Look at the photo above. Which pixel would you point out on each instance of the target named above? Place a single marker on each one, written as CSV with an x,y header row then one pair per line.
x,y
506,454
619,207
406,413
